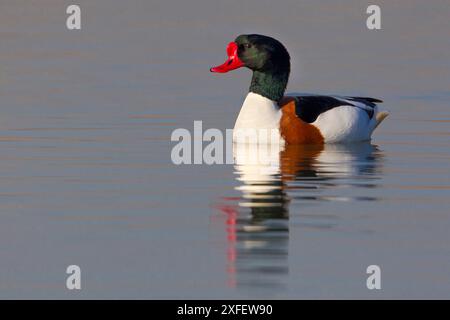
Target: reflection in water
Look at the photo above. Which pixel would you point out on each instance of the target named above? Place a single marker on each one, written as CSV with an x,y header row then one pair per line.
x,y
257,224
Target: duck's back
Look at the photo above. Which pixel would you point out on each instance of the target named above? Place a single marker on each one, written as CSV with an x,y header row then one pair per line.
x,y
312,118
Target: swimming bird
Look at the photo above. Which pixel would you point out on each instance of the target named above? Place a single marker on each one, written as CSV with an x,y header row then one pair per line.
x,y
295,119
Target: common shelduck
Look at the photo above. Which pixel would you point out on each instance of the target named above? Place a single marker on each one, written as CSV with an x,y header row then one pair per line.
x,y
296,119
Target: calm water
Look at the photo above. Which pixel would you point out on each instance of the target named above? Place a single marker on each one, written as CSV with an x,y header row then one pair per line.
x,y
86,176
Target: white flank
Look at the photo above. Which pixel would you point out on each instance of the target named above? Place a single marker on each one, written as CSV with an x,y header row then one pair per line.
x,y
346,124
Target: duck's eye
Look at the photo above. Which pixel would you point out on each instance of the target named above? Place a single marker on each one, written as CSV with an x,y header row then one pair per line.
x,y
247,45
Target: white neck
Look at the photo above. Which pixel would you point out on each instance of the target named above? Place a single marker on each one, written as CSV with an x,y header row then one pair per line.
x,y
258,112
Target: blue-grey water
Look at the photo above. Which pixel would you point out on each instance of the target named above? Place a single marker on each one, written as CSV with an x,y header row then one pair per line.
x,y
86,176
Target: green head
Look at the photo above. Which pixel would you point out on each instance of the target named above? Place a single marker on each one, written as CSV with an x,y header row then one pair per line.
x,y
266,57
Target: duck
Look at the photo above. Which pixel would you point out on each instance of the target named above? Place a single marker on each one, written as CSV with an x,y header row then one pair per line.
x,y
293,118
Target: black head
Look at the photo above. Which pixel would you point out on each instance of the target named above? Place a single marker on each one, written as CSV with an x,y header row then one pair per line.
x,y
262,53
266,57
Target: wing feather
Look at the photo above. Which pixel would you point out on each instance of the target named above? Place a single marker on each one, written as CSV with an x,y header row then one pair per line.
x,y
309,107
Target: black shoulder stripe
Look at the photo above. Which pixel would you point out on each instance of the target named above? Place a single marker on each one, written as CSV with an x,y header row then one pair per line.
x,y
309,107
367,99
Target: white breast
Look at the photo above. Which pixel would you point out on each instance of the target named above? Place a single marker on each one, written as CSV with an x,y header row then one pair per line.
x,y
260,116
258,112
